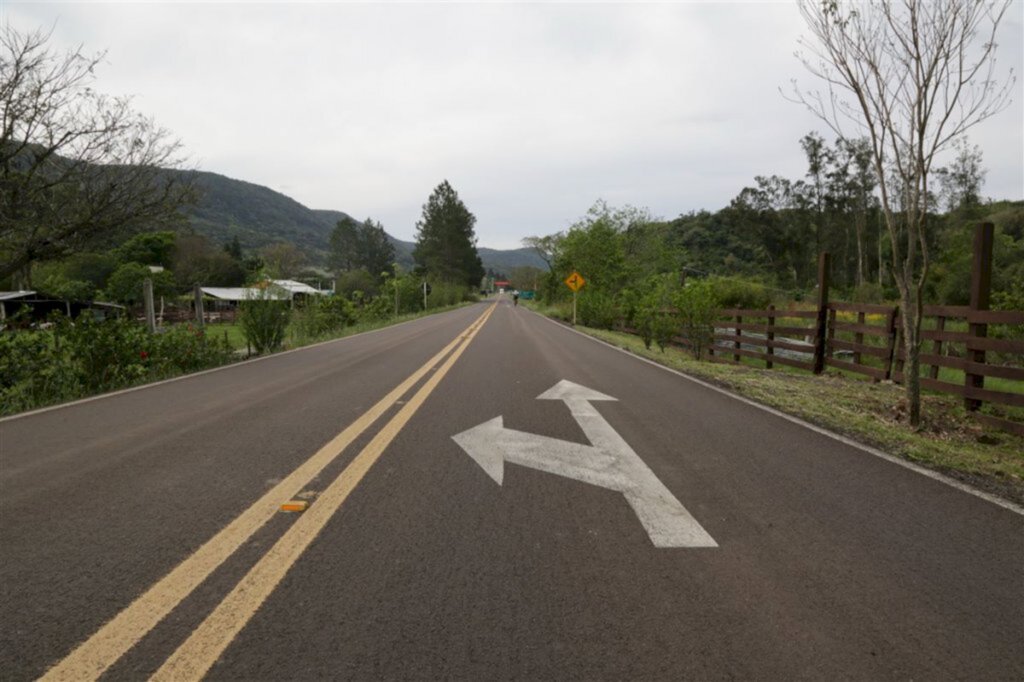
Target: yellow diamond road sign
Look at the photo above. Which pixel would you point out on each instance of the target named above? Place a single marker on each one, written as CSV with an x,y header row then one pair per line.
x,y
575,281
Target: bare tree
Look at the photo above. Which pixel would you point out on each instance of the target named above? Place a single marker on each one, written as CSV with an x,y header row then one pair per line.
x,y
76,166
912,76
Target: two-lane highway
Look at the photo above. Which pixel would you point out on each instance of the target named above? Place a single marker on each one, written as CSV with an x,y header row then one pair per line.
x,y
492,495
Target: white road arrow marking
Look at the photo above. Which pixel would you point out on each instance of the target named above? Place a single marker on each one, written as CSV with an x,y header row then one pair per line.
x,y
608,462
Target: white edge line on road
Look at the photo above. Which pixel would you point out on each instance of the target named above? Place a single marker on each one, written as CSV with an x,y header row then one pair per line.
x,y
1005,504
230,365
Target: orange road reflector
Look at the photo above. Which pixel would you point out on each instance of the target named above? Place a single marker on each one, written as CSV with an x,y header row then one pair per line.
x,y
295,506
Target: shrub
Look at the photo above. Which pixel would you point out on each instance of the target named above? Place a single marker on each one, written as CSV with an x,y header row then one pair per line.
x,y
653,309
125,284
80,358
596,309
374,309
34,372
264,322
319,317
737,293
696,303
868,292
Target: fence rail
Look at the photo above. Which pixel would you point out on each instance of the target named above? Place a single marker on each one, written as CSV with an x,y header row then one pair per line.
x,y
866,339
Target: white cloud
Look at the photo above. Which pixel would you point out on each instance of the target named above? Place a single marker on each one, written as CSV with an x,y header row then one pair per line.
x,y
532,111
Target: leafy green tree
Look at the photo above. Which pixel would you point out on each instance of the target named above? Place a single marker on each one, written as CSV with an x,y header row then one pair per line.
x,y
148,248
76,278
548,248
445,241
361,280
197,260
526,277
57,286
282,260
961,180
125,285
595,246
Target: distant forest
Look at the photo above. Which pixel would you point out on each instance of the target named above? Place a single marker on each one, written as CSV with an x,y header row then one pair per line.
x,y
770,234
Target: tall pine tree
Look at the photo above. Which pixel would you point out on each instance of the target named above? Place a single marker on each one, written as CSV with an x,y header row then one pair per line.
x,y
365,246
445,242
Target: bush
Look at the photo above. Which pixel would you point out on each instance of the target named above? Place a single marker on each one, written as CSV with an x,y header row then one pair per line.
x,y
84,357
653,309
596,309
264,322
737,293
374,309
125,284
869,292
318,317
33,372
696,303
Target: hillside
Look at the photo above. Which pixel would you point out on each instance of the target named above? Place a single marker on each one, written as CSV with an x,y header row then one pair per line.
x,y
257,215
260,216
504,261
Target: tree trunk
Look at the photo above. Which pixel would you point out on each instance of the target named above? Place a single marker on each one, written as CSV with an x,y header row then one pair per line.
x,y
881,235
861,219
910,304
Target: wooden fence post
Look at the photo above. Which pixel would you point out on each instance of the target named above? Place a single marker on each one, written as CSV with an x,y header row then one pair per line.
x,y
940,326
858,338
198,292
736,344
771,337
981,287
891,324
831,336
147,297
824,262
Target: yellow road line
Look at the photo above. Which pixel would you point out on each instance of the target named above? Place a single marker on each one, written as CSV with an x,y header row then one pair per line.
x,y
91,658
201,650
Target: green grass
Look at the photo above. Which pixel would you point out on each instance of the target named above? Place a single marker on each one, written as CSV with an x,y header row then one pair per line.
x,y
948,440
236,336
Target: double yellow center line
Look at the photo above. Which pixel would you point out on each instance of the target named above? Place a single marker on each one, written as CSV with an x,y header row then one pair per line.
x,y
200,651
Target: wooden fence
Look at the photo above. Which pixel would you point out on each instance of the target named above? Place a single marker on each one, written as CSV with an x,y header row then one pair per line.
x,y
867,339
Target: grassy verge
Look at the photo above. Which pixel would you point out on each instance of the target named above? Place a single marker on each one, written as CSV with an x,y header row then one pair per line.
x,y
949,440
232,331
52,385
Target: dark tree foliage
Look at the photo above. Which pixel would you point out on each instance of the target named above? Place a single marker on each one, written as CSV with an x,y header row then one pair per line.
x,y
361,246
148,248
377,253
234,248
445,241
344,255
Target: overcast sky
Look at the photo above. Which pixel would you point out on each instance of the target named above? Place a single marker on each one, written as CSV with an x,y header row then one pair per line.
x,y
531,111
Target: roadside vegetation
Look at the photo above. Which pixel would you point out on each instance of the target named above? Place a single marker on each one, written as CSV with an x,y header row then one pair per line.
x,y
948,440
71,360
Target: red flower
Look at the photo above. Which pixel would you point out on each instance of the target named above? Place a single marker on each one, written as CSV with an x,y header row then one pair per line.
x,y
143,354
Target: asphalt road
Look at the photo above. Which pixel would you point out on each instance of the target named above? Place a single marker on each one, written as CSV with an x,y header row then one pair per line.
x,y
140,534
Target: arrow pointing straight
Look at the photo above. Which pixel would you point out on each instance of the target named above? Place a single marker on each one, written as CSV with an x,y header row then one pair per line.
x,y
609,462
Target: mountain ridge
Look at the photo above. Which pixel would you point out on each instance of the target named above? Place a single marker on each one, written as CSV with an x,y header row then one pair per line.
x,y
259,216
